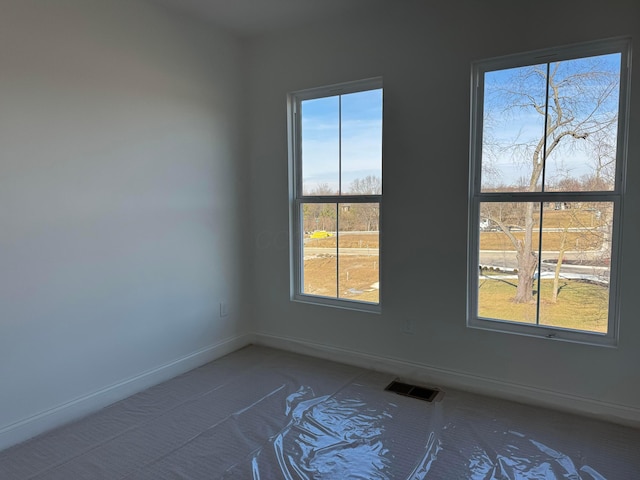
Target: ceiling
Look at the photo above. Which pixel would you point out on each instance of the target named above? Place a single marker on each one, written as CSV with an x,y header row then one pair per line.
x,y
252,17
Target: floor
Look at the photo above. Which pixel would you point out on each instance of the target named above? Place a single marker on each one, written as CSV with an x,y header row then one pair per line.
x,y
261,413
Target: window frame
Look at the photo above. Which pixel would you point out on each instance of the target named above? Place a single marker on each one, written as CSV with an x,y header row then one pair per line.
x,y
297,199
476,196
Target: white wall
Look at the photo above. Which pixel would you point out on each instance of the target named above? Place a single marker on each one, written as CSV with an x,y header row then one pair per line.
x,y
119,200
423,51
124,191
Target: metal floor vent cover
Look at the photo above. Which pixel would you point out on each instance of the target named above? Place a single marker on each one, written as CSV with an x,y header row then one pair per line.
x,y
413,391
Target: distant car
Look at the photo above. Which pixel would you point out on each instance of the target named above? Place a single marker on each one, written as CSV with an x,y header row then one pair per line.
x,y
320,234
487,225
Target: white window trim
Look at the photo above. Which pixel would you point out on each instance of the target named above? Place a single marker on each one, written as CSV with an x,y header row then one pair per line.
x,y
294,99
616,45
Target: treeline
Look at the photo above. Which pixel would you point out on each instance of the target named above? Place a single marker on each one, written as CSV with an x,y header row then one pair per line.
x,y
349,216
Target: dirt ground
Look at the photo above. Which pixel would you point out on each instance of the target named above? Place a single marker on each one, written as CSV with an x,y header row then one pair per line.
x,y
359,277
347,240
358,274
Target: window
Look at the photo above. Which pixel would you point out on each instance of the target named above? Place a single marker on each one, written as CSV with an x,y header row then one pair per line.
x,y
335,136
546,190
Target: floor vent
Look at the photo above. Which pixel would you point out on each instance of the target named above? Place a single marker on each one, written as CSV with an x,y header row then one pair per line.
x,y
413,391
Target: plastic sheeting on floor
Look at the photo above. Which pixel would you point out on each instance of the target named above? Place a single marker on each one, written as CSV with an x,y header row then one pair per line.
x,y
261,413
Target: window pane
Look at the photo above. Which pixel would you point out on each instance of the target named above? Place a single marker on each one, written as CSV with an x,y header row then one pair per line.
x,y
508,284
358,247
362,142
320,250
574,260
583,114
513,128
576,255
581,109
320,133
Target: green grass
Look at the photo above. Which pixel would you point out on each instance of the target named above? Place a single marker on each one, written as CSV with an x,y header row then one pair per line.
x,y
580,305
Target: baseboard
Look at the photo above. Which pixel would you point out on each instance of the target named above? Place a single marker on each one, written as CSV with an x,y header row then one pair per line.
x,y
51,418
429,375
445,378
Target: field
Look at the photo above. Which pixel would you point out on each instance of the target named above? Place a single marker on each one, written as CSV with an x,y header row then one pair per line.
x,y
359,274
359,277
347,240
577,229
585,218
494,301
551,241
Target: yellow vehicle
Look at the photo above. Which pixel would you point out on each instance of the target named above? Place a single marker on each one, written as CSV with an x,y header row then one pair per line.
x,y
320,234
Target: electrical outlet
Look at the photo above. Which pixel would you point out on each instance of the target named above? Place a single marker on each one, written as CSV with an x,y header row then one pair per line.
x,y
224,309
407,326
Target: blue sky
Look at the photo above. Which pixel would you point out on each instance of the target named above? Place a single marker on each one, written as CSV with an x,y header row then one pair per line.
x,y
524,127
323,161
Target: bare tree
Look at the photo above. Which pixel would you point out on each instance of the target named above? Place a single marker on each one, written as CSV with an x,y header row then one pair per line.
x,y
367,215
319,216
369,185
577,116
556,274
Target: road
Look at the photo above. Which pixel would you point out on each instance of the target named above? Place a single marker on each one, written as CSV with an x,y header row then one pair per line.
x,y
497,259
507,260
343,251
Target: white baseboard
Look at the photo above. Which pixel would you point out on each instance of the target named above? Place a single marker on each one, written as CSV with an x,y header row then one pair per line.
x,y
425,374
51,418
444,378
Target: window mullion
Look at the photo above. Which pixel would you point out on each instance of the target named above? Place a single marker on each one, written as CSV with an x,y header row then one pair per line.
x,y
337,250
539,267
340,192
